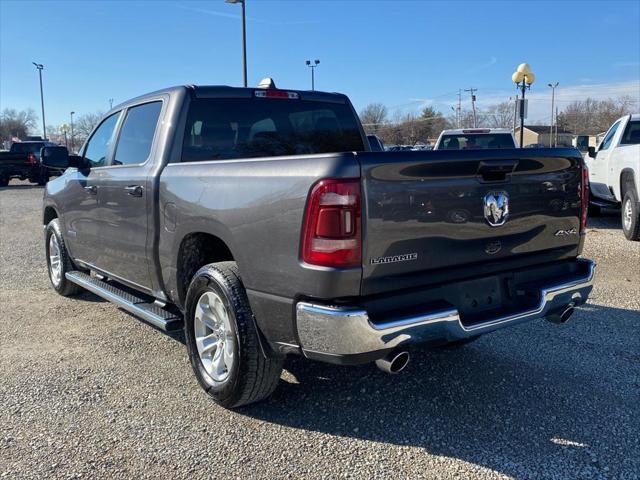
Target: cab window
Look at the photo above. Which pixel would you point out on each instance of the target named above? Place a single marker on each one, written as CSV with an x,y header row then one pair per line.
x,y
136,134
100,144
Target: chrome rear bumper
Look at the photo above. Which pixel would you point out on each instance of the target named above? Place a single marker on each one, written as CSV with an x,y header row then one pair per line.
x,y
333,333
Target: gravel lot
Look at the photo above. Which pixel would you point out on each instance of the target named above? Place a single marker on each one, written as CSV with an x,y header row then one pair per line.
x,y
88,391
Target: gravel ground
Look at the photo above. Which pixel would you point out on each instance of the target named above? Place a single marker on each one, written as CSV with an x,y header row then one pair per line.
x,y
88,391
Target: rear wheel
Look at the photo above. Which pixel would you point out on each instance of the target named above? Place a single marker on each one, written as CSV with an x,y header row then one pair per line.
x,y
222,339
630,215
58,260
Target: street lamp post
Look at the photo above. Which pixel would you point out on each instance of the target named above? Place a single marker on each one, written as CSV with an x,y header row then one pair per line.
x,y
553,97
40,67
244,38
313,69
72,131
523,77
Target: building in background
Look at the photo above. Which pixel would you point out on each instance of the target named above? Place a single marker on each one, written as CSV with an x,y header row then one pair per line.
x,y
539,134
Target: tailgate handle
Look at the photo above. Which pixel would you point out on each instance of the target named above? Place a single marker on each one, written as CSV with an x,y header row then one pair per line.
x,y
496,170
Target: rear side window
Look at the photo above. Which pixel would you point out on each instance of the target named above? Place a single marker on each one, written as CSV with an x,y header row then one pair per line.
x,y
136,135
631,135
101,142
477,141
228,128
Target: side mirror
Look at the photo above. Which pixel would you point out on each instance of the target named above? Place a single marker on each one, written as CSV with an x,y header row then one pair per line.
x,y
55,157
592,152
58,158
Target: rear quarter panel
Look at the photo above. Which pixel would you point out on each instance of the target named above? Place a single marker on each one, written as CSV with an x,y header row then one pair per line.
x,y
256,206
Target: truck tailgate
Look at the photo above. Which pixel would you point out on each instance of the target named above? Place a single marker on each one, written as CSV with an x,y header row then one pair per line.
x,y
429,212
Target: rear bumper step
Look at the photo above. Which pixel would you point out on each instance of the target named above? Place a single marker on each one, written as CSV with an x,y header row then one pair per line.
x,y
348,335
140,307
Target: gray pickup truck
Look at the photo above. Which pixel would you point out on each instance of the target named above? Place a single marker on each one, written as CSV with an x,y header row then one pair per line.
x,y
260,221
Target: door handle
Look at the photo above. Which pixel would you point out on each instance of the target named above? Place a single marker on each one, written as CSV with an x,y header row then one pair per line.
x,y
134,190
92,189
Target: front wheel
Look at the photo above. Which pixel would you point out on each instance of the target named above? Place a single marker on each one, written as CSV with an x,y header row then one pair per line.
x,y
630,216
222,339
58,260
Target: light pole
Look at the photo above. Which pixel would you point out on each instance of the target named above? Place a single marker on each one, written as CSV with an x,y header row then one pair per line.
x,y
72,130
553,97
313,69
244,38
110,103
40,67
523,77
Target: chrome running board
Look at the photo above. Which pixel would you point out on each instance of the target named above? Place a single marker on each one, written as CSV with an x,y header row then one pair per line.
x,y
140,307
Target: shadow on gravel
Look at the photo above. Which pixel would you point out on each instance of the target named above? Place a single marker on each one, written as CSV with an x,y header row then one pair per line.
x,y
516,407
608,219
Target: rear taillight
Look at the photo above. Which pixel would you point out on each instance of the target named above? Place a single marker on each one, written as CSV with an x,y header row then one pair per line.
x,y
331,234
584,197
31,159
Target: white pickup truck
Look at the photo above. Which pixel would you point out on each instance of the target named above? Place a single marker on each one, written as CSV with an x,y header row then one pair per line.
x,y
614,172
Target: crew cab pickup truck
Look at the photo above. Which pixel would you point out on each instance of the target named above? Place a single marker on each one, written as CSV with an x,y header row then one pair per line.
x,y
23,161
614,173
258,220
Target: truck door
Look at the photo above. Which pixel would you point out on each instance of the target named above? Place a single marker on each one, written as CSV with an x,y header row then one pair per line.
x,y
126,200
80,195
599,166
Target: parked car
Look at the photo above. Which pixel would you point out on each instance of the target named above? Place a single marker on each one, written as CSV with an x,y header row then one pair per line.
x,y
375,143
614,172
475,138
23,161
536,145
258,220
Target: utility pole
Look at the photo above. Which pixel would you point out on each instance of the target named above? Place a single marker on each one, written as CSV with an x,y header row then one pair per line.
x,y
553,96
71,131
556,141
110,103
459,109
244,38
40,67
473,104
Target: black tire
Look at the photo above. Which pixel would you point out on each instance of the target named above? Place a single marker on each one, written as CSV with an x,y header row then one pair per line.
x,y
252,377
631,226
43,179
63,286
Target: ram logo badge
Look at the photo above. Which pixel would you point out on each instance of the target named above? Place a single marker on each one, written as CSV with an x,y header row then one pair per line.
x,y
395,258
496,208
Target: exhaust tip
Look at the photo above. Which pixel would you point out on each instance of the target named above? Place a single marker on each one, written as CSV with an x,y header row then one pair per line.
x,y
564,316
393,363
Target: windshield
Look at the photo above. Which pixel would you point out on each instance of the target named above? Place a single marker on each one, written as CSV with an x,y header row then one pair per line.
x,y
262,127
476,141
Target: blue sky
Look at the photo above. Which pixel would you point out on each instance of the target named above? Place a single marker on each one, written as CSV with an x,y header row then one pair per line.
x,y
405,54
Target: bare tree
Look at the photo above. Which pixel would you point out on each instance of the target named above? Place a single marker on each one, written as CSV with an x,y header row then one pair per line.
x,y
84,125
499,115
14,123
590,116
373,116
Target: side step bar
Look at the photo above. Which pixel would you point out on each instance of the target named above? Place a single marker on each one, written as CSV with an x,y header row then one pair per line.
x,y
148,311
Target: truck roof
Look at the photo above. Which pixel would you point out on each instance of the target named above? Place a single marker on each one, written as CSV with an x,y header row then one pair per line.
x,y
225,91
462,131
